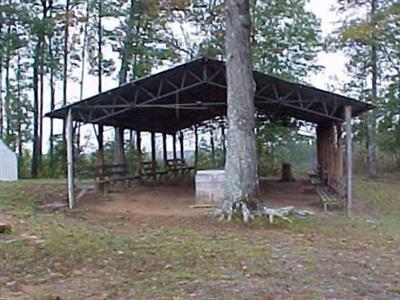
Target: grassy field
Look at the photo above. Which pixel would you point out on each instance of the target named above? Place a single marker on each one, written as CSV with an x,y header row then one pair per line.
x,y
80,255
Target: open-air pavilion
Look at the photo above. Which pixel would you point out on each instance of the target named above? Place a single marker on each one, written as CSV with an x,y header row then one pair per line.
x,y
189,94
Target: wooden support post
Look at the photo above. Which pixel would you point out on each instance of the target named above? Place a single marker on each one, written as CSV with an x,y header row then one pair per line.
x,y
100,153
181,145
70,159
165,153
153,151
131,140
121,144
139,150
224,142
212,147
139,142
174,144
196,147
339,158
349,155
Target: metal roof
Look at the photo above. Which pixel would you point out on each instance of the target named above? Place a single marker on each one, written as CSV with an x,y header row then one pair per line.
x,y
191,93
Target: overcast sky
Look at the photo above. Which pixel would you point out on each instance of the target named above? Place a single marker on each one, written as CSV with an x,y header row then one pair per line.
x,y
332,76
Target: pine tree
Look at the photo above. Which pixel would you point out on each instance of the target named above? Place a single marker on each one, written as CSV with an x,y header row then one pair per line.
x,y
364,40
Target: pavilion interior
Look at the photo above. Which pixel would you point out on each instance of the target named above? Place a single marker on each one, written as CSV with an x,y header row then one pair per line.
x,y
187,96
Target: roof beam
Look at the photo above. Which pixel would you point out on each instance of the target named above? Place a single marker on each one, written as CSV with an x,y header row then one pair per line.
x,y
286,104
130,106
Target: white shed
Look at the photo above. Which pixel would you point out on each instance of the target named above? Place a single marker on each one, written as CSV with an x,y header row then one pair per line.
x,y
8,163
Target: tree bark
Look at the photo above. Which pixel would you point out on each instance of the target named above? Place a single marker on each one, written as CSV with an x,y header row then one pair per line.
x,y
52,96
45,9
371,145
100,47
65,75
123,72
19,125
119,155
35,146
241,178
287,174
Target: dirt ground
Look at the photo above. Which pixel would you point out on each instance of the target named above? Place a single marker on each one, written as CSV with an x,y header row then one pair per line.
x,y
176,199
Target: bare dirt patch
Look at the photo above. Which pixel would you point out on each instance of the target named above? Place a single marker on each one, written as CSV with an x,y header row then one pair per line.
x,y
175,200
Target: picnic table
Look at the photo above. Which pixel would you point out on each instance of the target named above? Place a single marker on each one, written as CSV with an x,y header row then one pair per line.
x,y
177,166
150,169
107,175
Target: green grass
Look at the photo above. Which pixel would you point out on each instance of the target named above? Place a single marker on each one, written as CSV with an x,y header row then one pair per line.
x,y
379,196
158,259
382,198
79,257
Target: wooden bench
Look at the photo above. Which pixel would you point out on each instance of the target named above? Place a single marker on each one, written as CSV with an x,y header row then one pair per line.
x,y
149,170
328,198
177,166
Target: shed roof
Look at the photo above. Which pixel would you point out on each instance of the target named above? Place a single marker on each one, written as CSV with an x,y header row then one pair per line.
x,y
194,92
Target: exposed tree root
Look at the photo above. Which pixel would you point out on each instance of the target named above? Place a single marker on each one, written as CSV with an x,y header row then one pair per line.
x,y
226,210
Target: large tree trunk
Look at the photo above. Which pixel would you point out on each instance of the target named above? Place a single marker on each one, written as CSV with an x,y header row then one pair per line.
x,y
241,176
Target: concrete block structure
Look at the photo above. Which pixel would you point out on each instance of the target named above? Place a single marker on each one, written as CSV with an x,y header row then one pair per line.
x,y
210,186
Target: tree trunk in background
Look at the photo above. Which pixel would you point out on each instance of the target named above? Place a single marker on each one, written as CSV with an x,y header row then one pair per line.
x,y
41,96
7,102
65,77
241,158
52,97
371,144
119,155
82,80
123,72
100,48
287,173
35,147
83,50
19,126
45,10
